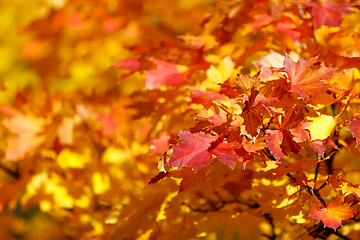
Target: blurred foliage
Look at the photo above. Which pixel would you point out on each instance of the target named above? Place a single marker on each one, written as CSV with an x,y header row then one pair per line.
x,y
77,126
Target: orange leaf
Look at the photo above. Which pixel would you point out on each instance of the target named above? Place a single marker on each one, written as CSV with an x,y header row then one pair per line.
x,y
333,214
347,189
306,78
190,178
273,142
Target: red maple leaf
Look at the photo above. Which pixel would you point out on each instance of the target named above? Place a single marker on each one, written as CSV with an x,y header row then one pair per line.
x,y
225,153
333,214
196,151
273,142
166,74
260,21
130,64
157,178
160,144
328,14
300,134
318,147
288,144
205,98
289,26
217,119
251,121
245,156
306,78
354,128
192,151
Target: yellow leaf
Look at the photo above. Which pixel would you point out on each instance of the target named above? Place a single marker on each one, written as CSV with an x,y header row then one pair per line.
x,y
321,127
69,159
116,155
322,34
101,183
222,72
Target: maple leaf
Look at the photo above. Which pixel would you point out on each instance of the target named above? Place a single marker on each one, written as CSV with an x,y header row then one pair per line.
x,y
288,144
273,142
321,126
354,128
205,98
318,147
283,169
130,64
347,189
300,133
328,14
157,178
192,151
245,156
260,21
292,118
288,25
166,74
160,144
190,178
333,214
305,78
247,83
225,153
228,91
251,121
217,119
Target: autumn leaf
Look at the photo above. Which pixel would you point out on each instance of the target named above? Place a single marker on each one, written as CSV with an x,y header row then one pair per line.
x,y
333,214
251,121
283,169
348,189
205,98
217,119
247,83
166,74
318,147
305,78
288,144
157,178
160,144
130,64
289,26
192,151
190,178
321,126
328,14
244,155
94,91
354,128
225,153
300,133
260,21
273,142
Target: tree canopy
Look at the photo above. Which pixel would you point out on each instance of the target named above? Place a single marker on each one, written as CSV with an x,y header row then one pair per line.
x,y
201,119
